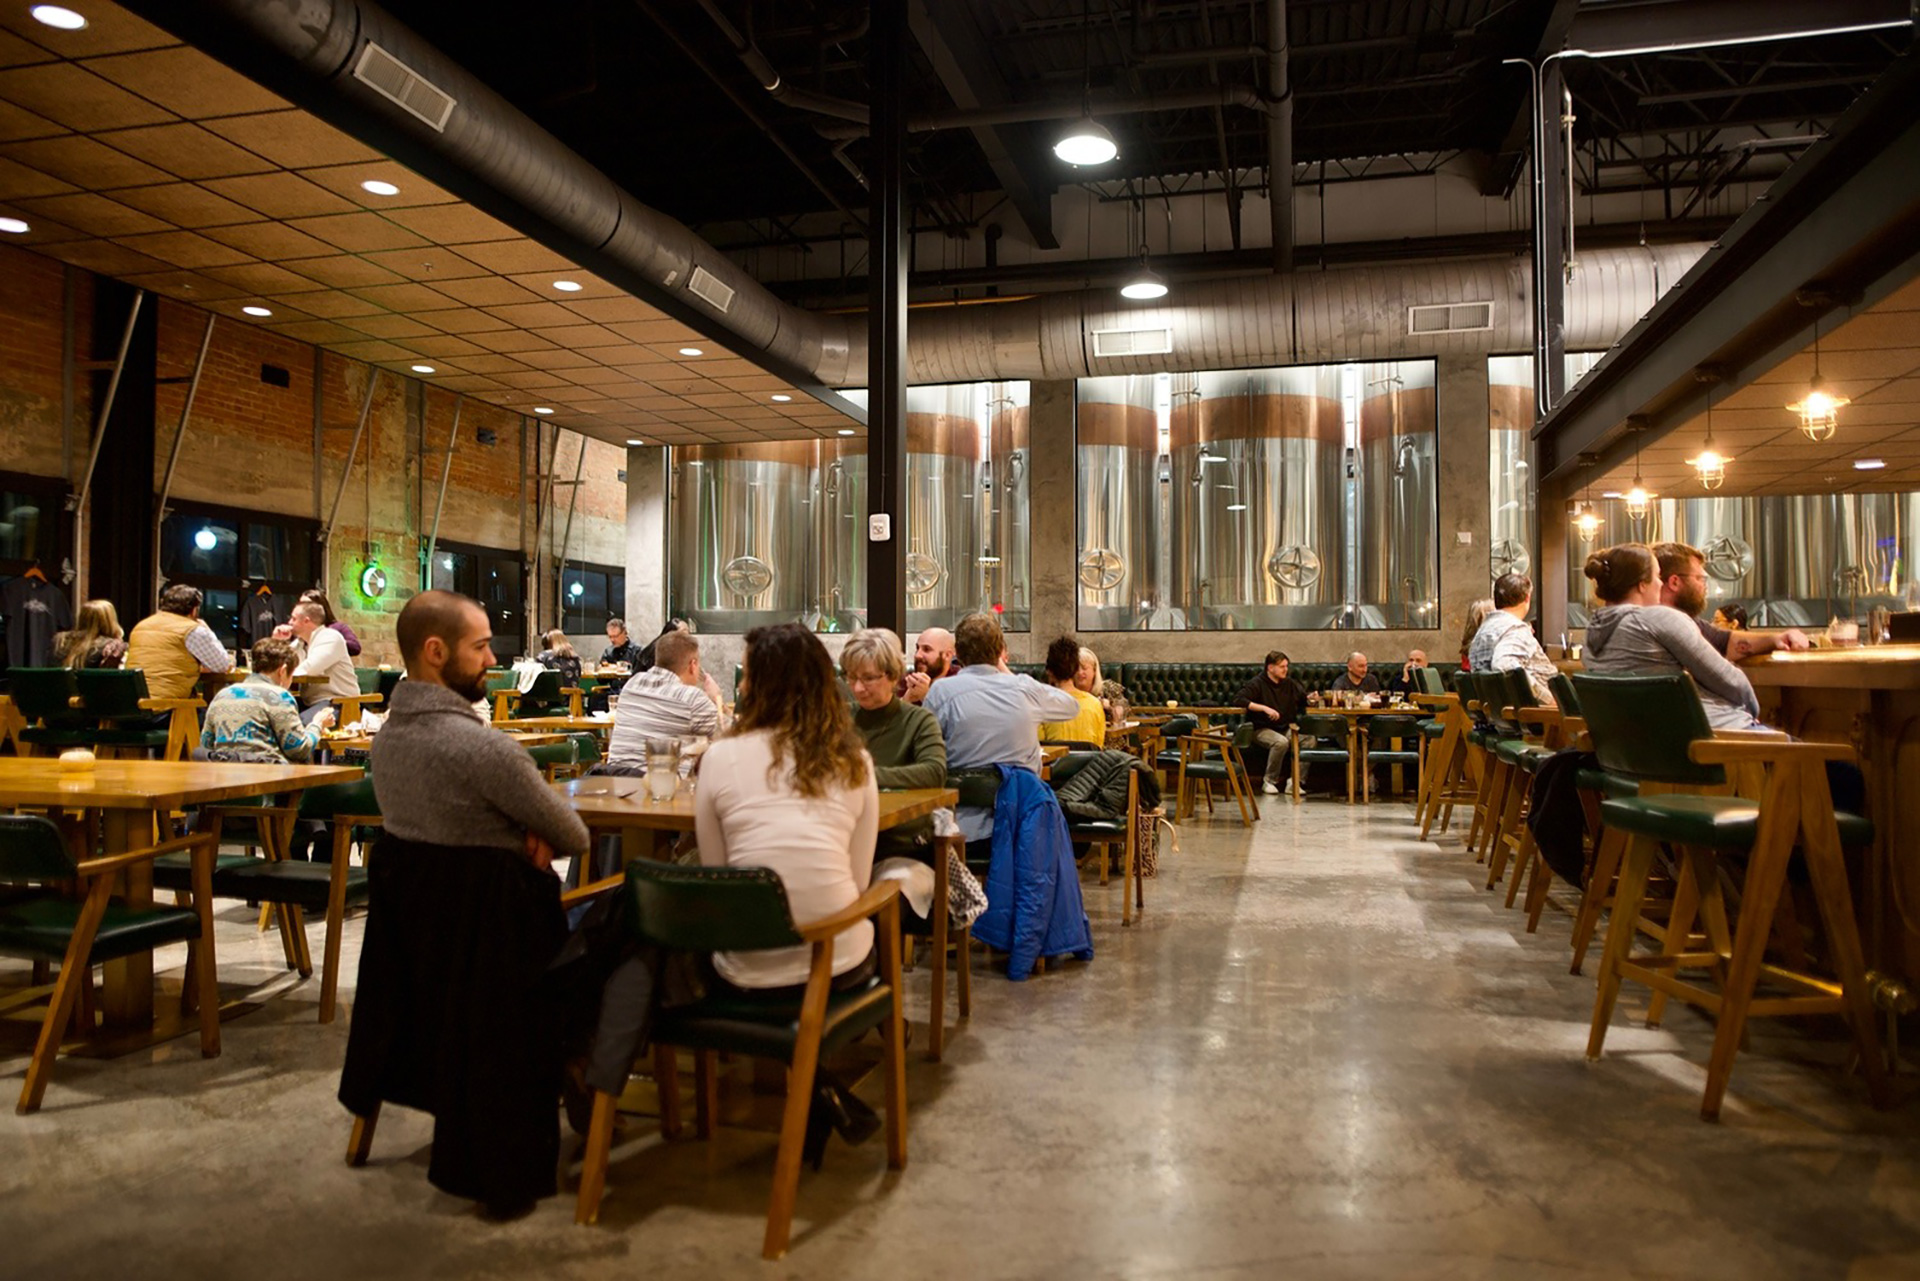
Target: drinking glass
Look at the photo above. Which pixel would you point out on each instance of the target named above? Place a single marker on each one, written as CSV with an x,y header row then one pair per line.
x,y
663,767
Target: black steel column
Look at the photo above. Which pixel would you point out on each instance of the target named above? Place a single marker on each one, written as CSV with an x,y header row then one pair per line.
x,y
120,541
1550,259
887,245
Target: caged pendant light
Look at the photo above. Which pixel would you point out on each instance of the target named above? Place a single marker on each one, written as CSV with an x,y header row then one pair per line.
x,y
1638,500
1819,409
1710,465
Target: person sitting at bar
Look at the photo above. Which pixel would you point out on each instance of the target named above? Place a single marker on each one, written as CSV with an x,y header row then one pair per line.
x,y
1633,633
990,716
620,647
95,639
258,720
1683,585
323,653
1063,671
455,1011
792,789
1272,701
932,658
1405,682
1731,617
173,646
902,739
673,698
1476,615
1356,679
318,597
1505,641
559,655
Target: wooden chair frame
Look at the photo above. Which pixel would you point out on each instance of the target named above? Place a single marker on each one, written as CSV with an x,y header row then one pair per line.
x,y
1293,744
1132,895
1239,782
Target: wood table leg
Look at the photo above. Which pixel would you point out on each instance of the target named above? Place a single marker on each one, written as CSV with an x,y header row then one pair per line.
x,y
126,1001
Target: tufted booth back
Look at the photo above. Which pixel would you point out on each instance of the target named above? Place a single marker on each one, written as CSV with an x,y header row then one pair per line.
x,y
1207,684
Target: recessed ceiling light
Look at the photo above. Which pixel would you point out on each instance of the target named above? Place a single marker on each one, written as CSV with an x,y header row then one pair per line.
x,y
54,16
375,186
568,286
781,397
635,440
543,409
1609,493
846,431
1869,464
14,226
691,351
256,311
421,369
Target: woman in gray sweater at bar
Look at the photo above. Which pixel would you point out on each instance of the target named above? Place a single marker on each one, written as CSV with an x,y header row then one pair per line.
x,y
1634,634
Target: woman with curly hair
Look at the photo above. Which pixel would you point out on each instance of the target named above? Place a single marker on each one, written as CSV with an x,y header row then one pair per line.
x,y
791,788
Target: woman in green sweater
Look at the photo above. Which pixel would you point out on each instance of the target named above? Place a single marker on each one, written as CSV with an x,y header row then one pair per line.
x,y
903,739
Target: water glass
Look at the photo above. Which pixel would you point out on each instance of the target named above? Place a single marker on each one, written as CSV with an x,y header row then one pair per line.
x,y
663,767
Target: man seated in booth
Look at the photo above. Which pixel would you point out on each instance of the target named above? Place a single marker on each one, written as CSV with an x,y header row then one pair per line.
x,y
933,656
1405,682
1356,679
1272,701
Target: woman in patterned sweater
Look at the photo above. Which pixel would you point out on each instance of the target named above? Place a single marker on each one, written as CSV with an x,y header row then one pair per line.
x,y
258,720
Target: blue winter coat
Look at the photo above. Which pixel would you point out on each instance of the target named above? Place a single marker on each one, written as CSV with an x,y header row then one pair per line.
x,y
1033,888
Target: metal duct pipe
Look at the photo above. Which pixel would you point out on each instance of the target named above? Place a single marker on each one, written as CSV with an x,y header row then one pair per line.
x,y
1034,112
1279,137
773,82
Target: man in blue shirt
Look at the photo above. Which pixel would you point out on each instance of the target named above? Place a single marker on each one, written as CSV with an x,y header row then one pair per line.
x,y
989,715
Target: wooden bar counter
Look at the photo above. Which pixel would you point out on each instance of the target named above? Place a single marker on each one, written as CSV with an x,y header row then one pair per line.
x,y
1868,697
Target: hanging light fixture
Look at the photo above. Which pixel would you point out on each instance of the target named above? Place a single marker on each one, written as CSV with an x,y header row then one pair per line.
x,y
1086,141
1709,464
1819,408
1145,284
1586,521
1638,500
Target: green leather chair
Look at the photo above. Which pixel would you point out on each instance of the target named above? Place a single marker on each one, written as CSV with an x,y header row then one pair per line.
x,y
42,921
1215,758
1321,738
543,698
1653,730
707,909
112,697
1594,785
48,699
1385,731
555,760
1517,756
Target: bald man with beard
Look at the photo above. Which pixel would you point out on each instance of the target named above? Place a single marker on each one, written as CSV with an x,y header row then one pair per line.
x,y
932,659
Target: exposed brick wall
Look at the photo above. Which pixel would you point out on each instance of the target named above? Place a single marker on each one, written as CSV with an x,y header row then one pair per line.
x,y
30,334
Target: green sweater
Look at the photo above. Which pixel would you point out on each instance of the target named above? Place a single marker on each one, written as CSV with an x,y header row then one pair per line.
x,y
908,751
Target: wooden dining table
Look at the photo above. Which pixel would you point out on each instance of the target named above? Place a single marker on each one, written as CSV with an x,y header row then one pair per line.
x,y
132,797
613,803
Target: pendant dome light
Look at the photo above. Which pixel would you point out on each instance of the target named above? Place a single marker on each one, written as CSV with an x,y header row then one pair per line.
x,y
1145,284
1710,465
1638,500
1086,141
1586,521
1819,408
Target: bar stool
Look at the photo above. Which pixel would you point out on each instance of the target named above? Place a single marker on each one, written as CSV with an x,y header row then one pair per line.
x,y
1652,728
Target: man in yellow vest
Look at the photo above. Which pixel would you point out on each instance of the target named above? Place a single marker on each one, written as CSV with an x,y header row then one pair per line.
x,y
173,646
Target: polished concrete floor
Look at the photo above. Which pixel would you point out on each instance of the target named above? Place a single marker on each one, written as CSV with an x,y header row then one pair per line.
x,y
1324,1053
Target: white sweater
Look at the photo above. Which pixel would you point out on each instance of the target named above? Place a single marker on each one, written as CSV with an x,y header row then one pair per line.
x,y
821,848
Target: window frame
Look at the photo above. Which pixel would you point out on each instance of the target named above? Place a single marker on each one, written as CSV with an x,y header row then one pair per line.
x,y
243,520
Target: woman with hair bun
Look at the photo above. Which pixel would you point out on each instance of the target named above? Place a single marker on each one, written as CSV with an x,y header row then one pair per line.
x,y
1632,633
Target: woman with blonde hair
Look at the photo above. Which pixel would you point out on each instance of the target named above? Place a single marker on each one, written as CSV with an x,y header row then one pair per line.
x,y
903,739
1477,614
559,655
95,640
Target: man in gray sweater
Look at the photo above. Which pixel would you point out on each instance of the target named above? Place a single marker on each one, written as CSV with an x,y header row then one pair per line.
x,y
442,775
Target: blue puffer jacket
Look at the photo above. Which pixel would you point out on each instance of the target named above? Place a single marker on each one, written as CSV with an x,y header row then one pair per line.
x,y
1033,888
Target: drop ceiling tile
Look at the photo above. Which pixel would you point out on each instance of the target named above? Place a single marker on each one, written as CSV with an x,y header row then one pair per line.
x,y
645,331
318,332
185,249
452,224
84,163
187,82
415,191
443,346
109,29
535,381
750,383
486,363
559,358
16,51
331,303
282,314
533,315
18,182
428,265
385,325
625,310
261,278
69,94
293,139
598,376
185,205
489,291
273,241
280,195
591,286
515,256
718,400
104,257
185,150
374,350
591,336
512,340
17,123
342,271
186,285
463,320
96,215
473,384
358,232
404,298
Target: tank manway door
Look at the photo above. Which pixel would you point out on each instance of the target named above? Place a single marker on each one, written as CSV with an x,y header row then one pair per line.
x,y
1101,569
923,573
1295,568
747,576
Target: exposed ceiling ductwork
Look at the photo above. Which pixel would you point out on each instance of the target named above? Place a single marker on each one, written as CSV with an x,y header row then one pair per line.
x,y
489,153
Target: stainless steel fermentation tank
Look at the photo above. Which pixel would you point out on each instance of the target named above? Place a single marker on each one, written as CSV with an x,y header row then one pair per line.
x,y
734,510
1007,568
1117,476
1397,487
1510,477
1255,505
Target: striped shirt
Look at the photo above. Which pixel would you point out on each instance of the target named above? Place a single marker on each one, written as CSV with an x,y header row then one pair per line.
x,y
258,721
657,703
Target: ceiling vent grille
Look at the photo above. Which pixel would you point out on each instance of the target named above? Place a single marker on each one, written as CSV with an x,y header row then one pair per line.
x,y
709,288
406,88
1157,341
1450,318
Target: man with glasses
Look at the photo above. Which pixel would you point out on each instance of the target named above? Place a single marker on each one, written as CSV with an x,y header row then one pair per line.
x,y
1683,585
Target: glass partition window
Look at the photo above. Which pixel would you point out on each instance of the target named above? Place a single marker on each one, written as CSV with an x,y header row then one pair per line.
x,y
495,578
1287,499
589,596
231,555
776,532
33,523
1515,543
